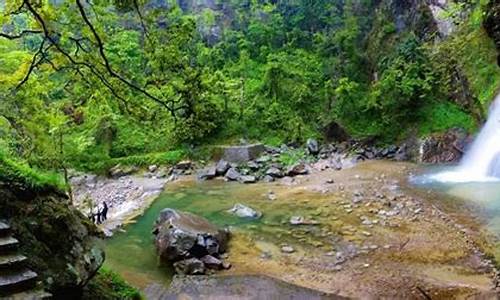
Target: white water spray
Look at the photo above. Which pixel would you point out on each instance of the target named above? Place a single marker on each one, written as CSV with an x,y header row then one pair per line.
x,y
482,162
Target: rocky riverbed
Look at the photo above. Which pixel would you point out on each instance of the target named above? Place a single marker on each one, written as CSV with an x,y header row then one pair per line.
x,y
127,196
360,232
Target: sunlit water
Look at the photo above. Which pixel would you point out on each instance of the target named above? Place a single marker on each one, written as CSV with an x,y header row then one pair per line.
x,y
132,253
484,196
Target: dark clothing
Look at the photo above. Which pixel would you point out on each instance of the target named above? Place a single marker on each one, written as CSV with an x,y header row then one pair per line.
x,y
104,212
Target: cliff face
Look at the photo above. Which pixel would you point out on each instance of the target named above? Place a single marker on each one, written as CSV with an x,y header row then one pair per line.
x,y
60,243
492,23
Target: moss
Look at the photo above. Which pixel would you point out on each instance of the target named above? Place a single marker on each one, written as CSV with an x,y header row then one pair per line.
x,y
38,218
15,171
107,285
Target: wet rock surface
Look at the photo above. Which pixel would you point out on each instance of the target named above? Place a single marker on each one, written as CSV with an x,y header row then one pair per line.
x,y
234,287
445,148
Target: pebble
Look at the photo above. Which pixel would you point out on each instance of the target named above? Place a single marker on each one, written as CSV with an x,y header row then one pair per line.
x,y
287,249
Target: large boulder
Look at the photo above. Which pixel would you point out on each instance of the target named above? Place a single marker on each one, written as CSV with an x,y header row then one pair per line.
x,y
297,169
312,146
222,167
208,173
182,235
232,174
244,153
444,148
247,179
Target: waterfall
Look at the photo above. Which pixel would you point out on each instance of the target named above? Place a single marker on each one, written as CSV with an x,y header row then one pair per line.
x,y
482,161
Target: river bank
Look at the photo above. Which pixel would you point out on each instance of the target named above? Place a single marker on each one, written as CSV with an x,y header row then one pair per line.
x,y
357,232
127,197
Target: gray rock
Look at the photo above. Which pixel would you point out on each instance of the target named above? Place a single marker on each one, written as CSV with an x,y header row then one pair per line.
x,y
268,178
253,165
288,180
312,146
274,172
244,211
272,150
120,171
191,266
242,153
297,169
184,165
287,249
300,220
271,196
222,167
232,174
247,179
208,173
152,168
181,235
211,262
263,159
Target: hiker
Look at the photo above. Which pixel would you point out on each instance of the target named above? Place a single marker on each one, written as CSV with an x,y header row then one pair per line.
x,y
104,211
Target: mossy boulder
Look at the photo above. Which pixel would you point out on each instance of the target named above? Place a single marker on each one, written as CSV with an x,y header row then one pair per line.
x,y
61,244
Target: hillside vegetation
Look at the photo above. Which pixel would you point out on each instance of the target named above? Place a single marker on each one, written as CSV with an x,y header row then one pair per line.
x,y
87,86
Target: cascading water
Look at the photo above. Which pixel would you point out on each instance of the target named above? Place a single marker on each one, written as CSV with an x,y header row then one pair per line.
x,y
482,162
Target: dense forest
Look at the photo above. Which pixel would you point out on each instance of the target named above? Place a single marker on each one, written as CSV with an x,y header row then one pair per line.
x,y
88,84
321,116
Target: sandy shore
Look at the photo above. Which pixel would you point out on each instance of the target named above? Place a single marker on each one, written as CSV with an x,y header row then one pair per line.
x,y
127,197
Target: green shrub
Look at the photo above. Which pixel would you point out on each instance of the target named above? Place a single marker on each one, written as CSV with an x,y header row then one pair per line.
x,y
107,285
12,170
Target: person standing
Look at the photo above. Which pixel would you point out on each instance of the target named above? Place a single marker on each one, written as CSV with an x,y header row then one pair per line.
x,y
104,212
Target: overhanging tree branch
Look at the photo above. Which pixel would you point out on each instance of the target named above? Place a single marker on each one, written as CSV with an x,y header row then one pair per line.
x,y
19,35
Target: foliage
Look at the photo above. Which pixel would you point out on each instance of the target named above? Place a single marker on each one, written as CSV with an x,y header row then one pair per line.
x,y
126,84
291,157
11,171
108,285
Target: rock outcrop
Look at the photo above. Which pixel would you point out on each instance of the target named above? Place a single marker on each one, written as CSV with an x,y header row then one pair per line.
x,y
58,241
492,23
444,148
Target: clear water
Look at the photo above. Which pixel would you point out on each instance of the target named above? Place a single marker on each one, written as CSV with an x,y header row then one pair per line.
x,y
132,253
483,196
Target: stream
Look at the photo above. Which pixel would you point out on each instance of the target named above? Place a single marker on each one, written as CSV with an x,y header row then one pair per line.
x,y
366,216
132,253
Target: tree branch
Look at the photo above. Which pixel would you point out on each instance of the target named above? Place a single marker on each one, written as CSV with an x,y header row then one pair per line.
x,y
34,63
19,35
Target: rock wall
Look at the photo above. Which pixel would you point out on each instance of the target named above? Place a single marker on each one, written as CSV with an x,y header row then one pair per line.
x,y
60,243
492,23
